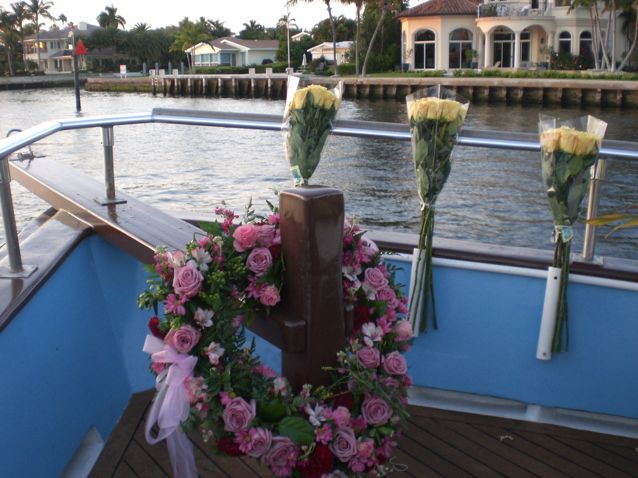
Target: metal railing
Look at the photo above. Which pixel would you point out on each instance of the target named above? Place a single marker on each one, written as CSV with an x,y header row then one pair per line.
x,y
512,9
362,129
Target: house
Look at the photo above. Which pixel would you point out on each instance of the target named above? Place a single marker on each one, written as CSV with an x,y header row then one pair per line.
x,y
231,51
448,34
325,50
300,36
56,48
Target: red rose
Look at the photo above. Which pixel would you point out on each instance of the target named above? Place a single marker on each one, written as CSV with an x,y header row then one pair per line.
x,y
229,447
361,316
343,400
153,326
320,462
275,251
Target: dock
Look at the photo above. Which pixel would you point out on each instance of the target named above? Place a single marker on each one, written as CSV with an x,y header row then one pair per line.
x,y
437,443
569,93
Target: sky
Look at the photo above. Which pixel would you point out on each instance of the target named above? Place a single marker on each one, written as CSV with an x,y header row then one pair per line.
x,y
234,13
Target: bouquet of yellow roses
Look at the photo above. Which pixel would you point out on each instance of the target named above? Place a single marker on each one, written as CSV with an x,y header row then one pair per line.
x,y
436,116
309,114
569,150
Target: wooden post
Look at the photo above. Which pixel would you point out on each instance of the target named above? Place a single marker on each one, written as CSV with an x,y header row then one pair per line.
x,y
312,235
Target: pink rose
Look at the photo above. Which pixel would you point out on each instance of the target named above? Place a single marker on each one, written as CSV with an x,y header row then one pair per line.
x,y
245,237
259,260
344,444
282,456
183,339
403,330
265,235
369,357
187,280
375,278
389,384
395,364
260,440
269,295
238,414
375,411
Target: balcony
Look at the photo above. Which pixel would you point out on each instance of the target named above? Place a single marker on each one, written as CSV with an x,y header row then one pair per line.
x,y
509,9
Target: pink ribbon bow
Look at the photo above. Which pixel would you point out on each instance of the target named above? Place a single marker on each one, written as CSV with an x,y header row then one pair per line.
x,y
171,405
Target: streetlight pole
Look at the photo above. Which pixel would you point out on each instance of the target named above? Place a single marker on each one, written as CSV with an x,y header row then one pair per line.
x,y
288,31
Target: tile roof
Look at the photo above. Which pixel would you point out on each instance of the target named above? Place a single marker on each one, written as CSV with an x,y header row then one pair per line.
x,y
441,7
253,44
62,33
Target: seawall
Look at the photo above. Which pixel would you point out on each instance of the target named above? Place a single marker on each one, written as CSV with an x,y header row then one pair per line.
x,y
572,92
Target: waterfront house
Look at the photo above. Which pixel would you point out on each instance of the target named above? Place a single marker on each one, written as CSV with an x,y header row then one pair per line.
x,y
232,51
56,48
448,34
325,50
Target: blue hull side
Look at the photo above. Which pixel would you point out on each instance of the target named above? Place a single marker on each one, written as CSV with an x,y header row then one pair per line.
x,y
488,332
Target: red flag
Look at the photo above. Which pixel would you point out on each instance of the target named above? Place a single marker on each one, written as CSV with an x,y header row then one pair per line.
x,y
80,49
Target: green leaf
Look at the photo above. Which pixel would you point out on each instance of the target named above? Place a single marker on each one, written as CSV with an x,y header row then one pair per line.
x,y
606,219
298,430
272,411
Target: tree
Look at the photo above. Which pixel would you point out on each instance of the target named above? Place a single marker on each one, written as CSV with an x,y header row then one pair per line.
x,y
189,34
8,36
332,24
21,16
141,28
216,29
345,29
38,9
359,5
110,19
253,31
383,6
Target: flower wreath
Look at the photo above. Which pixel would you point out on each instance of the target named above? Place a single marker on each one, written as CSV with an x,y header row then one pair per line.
x,y
221,280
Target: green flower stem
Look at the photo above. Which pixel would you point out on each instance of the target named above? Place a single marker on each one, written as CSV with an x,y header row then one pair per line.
x,y
561,260
423,281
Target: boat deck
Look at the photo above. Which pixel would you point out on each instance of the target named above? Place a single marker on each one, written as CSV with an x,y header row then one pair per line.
x,y
438,443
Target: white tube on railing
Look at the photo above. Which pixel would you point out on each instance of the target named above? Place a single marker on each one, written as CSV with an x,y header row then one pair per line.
x,y
548,321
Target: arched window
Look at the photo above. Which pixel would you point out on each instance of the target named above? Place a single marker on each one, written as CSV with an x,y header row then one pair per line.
x,y
565,42
460,49
424,50
586,49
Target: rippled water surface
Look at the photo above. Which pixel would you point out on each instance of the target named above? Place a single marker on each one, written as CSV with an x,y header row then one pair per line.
x,y
491,196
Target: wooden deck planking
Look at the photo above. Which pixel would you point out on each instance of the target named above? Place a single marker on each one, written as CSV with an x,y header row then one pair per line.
x,y
437,443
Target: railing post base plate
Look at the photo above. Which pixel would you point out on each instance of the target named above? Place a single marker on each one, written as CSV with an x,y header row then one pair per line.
x,y
109,202
7,273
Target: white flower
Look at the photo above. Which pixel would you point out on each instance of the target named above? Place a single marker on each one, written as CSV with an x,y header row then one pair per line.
x,y
279,385
203,317
315,415
214,351
371,333
202,257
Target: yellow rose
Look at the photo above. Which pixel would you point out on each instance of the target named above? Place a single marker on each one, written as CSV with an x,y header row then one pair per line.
x,y
433,108
299,99
570,141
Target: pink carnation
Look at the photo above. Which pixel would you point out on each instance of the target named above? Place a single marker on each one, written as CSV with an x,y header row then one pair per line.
x,y
183,339
265,235
245,237
403,330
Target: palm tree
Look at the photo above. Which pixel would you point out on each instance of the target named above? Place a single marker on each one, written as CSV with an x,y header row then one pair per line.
x,y
8,36
384,6
253,31
332,24
141,28
21,16
110,19
631,11
216,29
359,5
38,9
188,35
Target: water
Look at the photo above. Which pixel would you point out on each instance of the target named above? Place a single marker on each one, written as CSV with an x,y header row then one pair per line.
x,y
492,196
